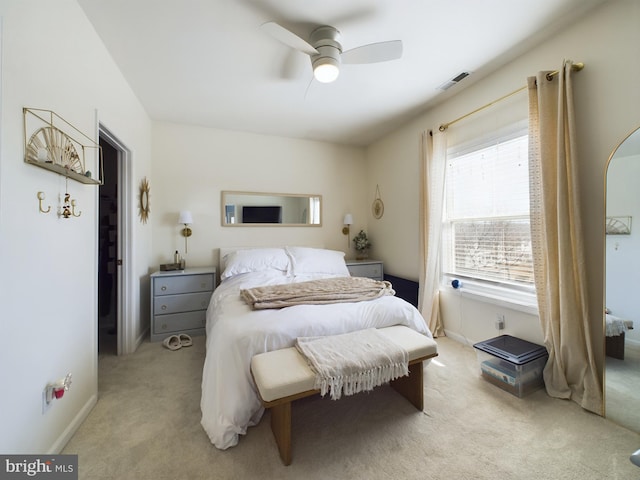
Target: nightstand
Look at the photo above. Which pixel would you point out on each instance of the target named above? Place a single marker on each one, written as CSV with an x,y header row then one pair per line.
x,y
366,268
179,301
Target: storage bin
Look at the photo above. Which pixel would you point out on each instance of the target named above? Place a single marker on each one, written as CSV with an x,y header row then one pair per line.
x,y
512,364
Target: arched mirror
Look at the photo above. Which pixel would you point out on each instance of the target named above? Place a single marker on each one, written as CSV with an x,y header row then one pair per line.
x,y
622,283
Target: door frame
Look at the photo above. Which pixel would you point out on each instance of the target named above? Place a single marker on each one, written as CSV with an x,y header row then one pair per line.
x,y
125,326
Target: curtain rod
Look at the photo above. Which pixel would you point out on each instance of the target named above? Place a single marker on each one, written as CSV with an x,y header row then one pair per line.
x,y
576,67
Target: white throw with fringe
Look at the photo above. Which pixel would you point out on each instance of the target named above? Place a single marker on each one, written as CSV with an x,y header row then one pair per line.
x,y
353,362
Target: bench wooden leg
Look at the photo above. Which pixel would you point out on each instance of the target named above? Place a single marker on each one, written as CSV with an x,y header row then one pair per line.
x,y
281,428
411,387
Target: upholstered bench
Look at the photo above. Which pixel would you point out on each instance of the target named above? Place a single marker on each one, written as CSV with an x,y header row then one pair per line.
x,y
283,376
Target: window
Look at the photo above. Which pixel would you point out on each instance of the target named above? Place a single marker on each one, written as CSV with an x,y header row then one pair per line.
x,y
486,233
314,208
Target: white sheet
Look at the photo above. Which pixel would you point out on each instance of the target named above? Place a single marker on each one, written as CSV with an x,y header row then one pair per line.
x,y
235,333
616,326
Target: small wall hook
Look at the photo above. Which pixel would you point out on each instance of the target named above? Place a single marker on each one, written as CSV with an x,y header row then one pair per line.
x,y
73,209
41,197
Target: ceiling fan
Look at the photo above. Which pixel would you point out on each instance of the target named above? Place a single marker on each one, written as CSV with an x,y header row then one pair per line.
x,y
326,53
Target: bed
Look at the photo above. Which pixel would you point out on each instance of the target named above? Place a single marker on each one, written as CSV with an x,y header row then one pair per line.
x,y
615,335
235,333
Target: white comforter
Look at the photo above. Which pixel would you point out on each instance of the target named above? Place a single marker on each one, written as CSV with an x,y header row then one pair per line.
x,y
235,333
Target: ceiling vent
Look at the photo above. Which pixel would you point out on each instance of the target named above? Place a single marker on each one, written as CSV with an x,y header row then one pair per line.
x,y
450,83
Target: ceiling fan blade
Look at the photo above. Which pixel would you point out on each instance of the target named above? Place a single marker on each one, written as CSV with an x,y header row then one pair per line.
x,y
373,52
288,38
294,66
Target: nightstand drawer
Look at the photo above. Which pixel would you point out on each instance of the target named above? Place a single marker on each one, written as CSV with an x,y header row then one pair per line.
x,y
182,284
179,301
188,302
175,323
370,270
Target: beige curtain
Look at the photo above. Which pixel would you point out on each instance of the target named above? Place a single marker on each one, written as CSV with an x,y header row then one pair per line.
x,y
556,235
432,168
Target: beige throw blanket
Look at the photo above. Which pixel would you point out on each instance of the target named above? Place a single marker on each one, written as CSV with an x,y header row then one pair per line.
x,y
316,292
353,362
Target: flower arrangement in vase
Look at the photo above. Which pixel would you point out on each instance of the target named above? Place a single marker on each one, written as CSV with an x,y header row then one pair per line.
x,y
362,244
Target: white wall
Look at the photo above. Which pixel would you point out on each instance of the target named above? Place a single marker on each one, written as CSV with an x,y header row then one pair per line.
x,y
53,59
48,287
192,165
606,96
623,251
468,320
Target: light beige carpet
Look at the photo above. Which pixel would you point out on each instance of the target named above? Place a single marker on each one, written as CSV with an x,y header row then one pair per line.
x,y
623,388
146,425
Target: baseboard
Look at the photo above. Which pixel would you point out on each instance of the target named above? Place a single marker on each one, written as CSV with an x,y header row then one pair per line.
x,y
82,415
457,337
141,338
632,343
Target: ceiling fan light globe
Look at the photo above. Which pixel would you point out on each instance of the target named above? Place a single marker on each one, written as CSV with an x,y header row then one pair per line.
x,y
326,71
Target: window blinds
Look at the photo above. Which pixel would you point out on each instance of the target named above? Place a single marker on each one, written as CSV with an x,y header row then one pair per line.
x,y
486,233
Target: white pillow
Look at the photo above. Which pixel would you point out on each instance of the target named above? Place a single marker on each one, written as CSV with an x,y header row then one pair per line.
x,y
305,260
255,260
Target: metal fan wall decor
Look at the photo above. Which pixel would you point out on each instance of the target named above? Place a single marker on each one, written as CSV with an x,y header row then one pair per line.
x,y
52,143
618,225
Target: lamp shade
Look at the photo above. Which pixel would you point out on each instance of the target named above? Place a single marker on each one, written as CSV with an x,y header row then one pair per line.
x,y
185,217
348,219
326,71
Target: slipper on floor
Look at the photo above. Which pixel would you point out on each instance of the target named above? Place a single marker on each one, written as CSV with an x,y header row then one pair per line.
x,y
185,340
172,343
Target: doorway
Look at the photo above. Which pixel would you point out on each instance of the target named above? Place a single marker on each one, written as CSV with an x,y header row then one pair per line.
x,y
108,248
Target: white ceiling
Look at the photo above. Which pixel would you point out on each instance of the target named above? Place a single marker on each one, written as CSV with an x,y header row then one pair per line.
x,y
208,62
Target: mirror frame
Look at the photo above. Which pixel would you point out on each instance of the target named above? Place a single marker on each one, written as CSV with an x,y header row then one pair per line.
x,y
143,206
604,270
223,216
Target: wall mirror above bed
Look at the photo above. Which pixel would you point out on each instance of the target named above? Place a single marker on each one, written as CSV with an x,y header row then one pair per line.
x,y
622,276
270,209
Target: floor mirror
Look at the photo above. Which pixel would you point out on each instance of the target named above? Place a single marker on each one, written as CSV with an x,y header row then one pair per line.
x,y
622,281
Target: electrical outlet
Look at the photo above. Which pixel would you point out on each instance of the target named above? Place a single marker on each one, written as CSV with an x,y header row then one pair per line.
x,y
54,391
46,402
500,321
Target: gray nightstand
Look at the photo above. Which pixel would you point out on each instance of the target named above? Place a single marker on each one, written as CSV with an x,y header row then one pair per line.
x,y
179,301
366,268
